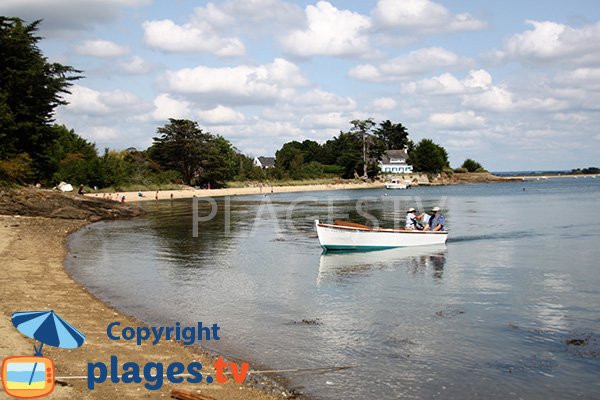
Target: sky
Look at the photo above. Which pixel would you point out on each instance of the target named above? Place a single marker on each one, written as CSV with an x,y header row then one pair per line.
x,y
514,85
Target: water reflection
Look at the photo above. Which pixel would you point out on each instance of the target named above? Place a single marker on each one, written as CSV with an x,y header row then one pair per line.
x,y
340,266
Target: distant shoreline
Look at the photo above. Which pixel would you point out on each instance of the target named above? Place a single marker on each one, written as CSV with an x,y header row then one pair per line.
x,y
254,189
188,193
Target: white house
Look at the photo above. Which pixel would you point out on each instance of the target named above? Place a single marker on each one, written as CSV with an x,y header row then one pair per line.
x,y
395,162
264,162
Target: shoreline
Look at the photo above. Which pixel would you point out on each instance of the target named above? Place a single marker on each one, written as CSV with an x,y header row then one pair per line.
x,y
420,180
188,193
33,250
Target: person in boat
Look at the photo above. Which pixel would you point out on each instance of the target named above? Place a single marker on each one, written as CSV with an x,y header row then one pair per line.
x,y
412,220
437,222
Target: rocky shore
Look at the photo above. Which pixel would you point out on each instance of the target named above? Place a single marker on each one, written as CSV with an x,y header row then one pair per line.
x,y
33,202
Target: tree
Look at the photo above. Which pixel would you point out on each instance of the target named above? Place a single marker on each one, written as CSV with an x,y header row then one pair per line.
x,y
221,162
345,151
392,136
428,157
472,166
198,156
290,156
30,90
181,146
364,130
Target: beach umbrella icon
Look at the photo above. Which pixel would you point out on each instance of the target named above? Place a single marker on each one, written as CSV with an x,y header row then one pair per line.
x,y
47,328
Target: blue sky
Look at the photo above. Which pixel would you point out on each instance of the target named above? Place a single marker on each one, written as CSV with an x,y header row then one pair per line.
x,y
513,84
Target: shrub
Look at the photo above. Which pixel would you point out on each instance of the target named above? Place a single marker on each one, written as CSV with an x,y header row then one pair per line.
x,y
17,169
472,166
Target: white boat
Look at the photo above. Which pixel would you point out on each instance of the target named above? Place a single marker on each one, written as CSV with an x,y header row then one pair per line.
x,y
396,184
350,236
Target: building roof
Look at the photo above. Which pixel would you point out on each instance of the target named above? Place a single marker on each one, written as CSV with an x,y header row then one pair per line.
x,y
267,161
396,155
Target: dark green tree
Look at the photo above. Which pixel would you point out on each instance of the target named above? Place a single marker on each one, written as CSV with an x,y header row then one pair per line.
x,y
198,156
181,146
311,151
289,157
344,151
428,157
30,90
472,166
392,136
71,157
221,162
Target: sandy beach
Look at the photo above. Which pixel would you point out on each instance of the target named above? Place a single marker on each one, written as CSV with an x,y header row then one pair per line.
x,y
32,250
188,193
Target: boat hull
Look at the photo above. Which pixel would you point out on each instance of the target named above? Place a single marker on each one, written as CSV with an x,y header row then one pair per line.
x,y
337,237
395,186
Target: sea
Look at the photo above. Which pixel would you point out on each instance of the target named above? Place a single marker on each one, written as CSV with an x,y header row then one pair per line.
x,y
508,308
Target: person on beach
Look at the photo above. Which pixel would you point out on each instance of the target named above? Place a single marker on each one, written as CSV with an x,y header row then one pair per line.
x,y
437,221
81,191
123,199
156,196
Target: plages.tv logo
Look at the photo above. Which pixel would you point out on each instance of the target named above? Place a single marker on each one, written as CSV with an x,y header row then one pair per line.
x,y
29,377
152,374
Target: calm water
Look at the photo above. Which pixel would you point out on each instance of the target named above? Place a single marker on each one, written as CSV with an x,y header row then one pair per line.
x,y
509,308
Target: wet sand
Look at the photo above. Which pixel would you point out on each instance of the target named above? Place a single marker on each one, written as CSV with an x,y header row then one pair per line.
x,y
32,277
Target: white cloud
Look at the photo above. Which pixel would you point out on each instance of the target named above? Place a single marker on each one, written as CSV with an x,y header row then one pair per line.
x,y
497,98
136,66
322,101
67,15
384,103
423,16
588,78
84,100
329,32
166,107
458,121
448,84
551,41
264,16
414,63
101,48
101,133
221,115
571,117
169,37
464,143
245,84
332,120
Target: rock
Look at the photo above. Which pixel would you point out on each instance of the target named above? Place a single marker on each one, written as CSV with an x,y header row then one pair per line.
x,y
54,204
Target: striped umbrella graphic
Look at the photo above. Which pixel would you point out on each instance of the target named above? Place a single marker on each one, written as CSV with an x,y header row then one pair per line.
x,y
47,328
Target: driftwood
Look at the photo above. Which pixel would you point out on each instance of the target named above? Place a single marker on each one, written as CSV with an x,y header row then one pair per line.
x,y
189,395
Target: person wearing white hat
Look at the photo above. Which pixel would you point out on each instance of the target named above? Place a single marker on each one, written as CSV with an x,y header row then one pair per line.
x,y
414,221
437,222
411,219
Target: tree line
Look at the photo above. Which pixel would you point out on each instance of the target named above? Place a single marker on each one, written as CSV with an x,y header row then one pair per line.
x,y
34,149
